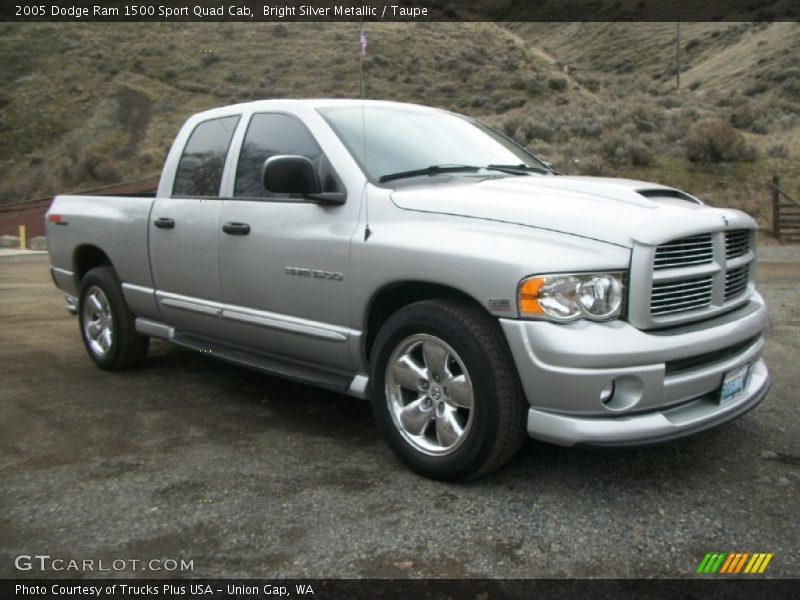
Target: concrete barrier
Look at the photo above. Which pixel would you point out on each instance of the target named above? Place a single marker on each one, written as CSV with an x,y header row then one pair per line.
x,y
9,241
38,243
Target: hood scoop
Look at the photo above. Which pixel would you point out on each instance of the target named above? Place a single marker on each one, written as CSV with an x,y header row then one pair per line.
x,y
668,196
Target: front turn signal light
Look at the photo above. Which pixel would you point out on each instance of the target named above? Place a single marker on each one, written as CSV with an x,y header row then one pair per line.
x,y
529,296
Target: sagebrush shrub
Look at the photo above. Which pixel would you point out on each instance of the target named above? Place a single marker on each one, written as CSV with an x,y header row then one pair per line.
x,y
778,151
718,142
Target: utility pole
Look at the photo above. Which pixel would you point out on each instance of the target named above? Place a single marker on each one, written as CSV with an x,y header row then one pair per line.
x,y
678,56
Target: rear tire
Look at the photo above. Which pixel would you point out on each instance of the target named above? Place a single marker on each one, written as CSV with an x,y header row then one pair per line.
x,y
107,324
445,392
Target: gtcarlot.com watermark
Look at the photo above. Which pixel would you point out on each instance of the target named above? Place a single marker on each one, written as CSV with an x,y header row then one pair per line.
x,y
45,562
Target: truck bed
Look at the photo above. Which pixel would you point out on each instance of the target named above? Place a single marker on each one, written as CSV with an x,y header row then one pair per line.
x,y
116,225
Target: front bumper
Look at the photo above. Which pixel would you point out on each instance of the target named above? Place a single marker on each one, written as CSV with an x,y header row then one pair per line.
x,y
666,383
653,427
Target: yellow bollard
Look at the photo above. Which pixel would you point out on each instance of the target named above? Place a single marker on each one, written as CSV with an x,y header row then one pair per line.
x,y
22,245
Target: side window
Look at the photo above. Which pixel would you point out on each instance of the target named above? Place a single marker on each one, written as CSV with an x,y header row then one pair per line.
x,y
270,134
200,168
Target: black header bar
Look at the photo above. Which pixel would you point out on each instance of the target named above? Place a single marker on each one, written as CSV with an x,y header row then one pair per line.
x,y
399,10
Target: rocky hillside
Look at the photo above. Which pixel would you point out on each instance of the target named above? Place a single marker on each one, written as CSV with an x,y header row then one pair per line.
x,y
91,103
88,104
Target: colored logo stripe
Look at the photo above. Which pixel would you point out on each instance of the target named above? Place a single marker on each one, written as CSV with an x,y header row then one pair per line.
x,y
728,563
711,562
738,562
758,563
734,563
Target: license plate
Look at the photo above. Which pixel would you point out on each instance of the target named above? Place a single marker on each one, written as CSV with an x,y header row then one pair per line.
x,y
733,383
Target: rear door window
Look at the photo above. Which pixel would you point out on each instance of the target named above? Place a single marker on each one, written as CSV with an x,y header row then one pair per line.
x,y
200,169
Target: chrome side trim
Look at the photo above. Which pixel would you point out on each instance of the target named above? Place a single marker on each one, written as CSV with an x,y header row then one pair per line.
x,y
154,329
268,320
191,306
284,324
359,386
63,272
139,289
141,300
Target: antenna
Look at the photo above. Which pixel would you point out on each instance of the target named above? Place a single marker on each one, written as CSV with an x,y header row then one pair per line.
x,y
362,40
367,231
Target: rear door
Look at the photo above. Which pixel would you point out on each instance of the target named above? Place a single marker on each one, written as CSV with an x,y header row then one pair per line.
x,y
184,232
285,281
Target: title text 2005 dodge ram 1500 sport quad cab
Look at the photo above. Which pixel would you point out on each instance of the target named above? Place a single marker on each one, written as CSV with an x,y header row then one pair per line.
x,y
420,258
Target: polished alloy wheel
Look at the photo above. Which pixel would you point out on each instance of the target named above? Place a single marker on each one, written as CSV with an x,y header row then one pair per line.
x,y
430,394
98,323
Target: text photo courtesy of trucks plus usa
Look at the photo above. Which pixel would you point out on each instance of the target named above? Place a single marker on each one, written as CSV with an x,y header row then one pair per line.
x,y
421,259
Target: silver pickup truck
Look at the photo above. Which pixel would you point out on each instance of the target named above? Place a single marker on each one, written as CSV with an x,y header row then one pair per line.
x,y
422,260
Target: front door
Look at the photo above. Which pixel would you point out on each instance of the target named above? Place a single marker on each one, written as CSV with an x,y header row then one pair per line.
x,y
285,271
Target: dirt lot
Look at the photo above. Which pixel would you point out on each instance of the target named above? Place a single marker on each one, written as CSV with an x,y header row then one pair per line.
x,y
252,476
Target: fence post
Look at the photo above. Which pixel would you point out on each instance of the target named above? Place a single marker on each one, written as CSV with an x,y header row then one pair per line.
x,y
22,241
776,226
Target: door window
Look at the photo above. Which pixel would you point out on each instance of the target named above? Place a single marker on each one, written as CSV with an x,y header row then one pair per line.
x,y
200,169
271,134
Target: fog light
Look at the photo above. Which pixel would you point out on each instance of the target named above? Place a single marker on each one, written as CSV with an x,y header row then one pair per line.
x,y
607,393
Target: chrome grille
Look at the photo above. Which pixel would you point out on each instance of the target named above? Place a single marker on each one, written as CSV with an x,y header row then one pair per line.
x,y
689,251
693,278
736,281
737,243
690,278
669,297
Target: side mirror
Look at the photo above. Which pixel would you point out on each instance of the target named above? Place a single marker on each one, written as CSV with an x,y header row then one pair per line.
x,y
291,174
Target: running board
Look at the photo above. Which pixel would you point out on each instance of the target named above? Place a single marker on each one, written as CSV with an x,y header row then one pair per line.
x,y
357,385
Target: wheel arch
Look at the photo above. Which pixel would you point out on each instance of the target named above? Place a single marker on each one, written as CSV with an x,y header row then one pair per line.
x,y
85,258
393,296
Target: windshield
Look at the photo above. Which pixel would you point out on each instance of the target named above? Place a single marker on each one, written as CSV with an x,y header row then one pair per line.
x,y
387,140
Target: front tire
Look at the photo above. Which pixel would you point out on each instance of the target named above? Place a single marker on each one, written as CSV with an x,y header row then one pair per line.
x,y
107,324
445,393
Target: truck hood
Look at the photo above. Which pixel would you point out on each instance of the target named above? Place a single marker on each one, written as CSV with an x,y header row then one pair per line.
x,y
617,211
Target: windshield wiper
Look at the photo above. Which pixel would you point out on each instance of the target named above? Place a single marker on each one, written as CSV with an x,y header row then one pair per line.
x,y
432,170
520,169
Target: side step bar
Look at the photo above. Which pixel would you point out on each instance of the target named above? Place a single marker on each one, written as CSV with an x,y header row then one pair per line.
x,y
72,304
347,384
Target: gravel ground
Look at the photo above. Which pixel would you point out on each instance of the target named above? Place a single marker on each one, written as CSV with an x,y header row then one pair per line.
x,y
251,476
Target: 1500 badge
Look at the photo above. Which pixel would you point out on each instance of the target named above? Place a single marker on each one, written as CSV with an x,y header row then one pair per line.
x,y
315,273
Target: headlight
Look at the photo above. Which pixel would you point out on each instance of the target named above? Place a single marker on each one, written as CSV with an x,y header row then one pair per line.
x,y
596,296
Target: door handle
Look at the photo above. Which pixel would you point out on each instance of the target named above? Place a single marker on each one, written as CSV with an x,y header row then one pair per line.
x,y
236,228
164,223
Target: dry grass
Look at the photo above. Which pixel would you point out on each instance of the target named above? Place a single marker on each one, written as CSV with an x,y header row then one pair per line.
x,y
85,104
92,103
